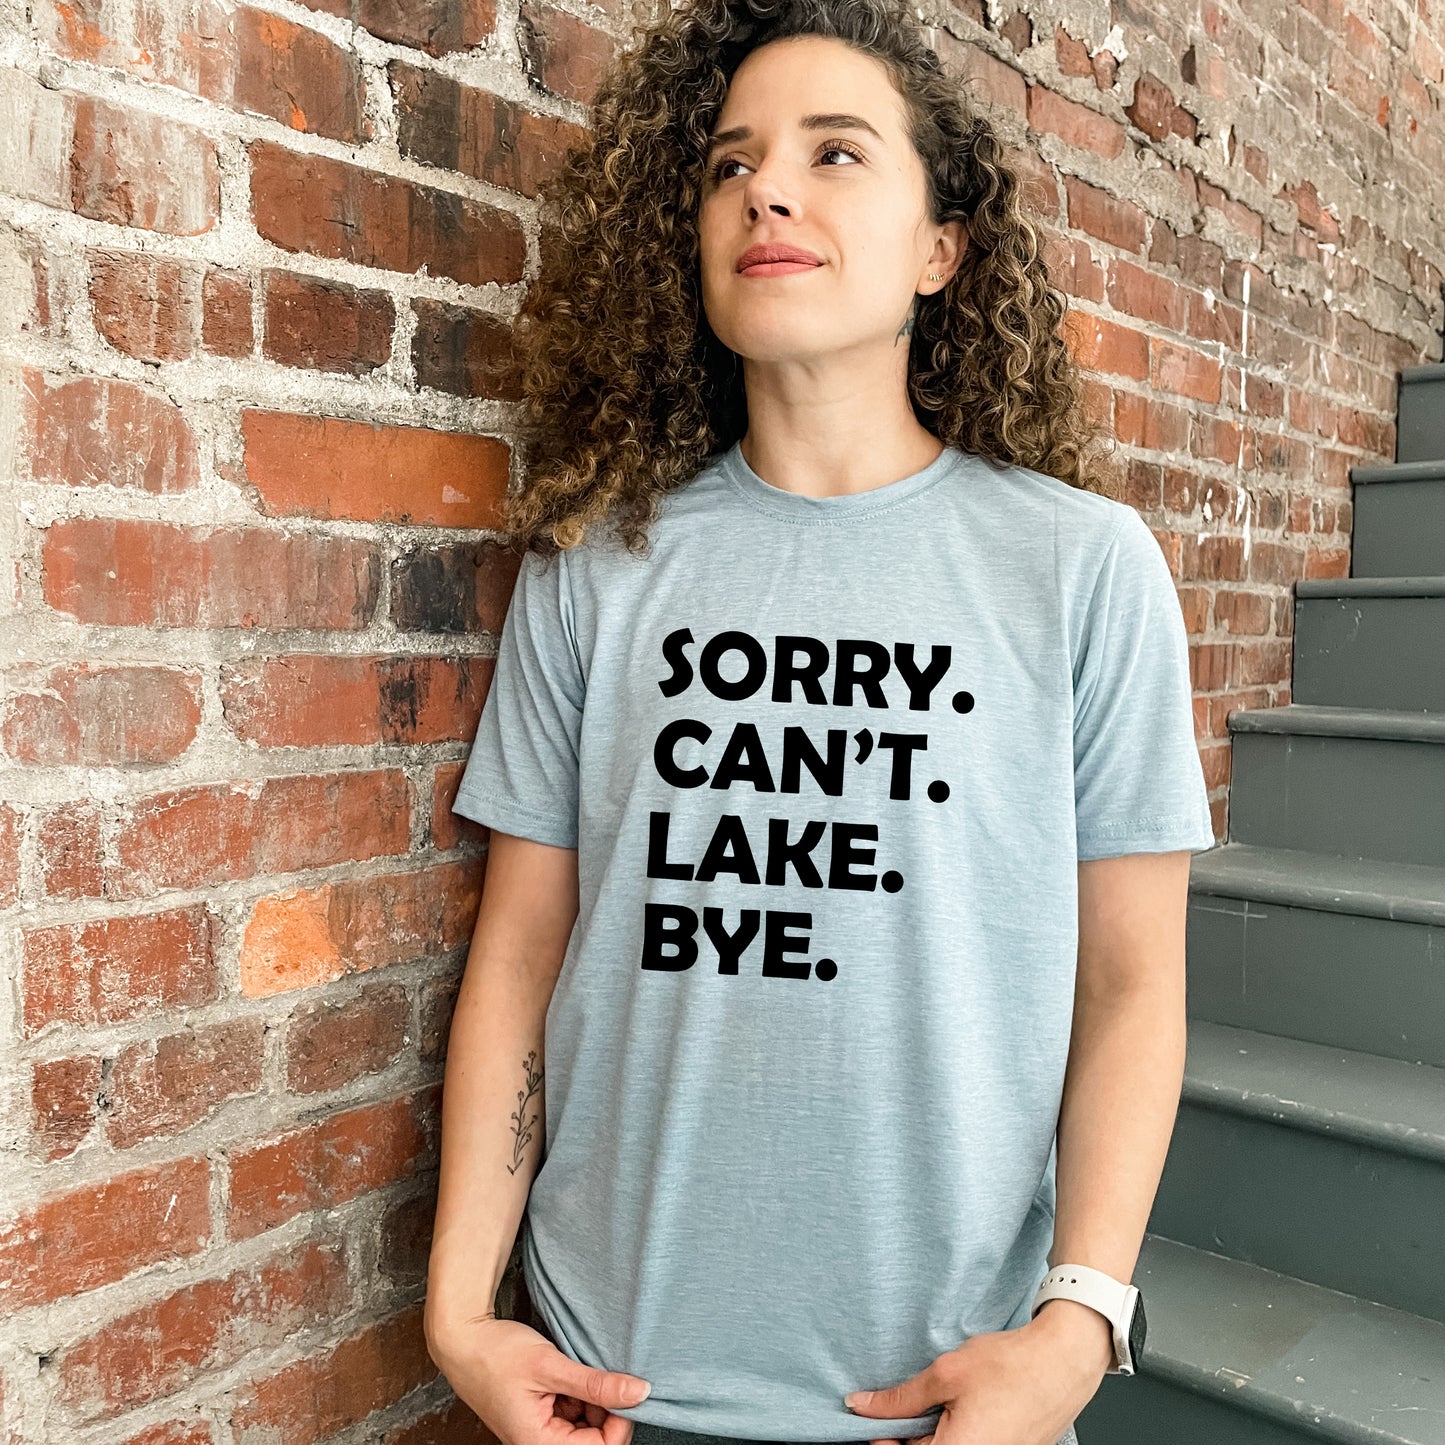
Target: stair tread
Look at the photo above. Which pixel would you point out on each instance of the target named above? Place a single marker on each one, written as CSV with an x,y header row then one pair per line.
x,y
1369,887
1430,470
1384,1103
1418,585
1291,1350
1322,720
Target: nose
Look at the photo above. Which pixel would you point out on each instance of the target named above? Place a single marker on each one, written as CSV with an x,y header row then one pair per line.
x,y
765,192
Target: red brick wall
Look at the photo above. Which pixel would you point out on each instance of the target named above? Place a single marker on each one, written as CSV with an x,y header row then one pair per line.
x,y
256,271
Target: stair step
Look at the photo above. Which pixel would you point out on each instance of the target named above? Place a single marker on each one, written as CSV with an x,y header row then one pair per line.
x,y
1370,642
1399,528
1356,782
1322,1163
1385,1103
1248,1354
1346,952
1295,877
1304,719
1420,426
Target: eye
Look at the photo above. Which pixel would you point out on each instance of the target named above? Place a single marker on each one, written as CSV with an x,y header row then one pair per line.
x,y
715,170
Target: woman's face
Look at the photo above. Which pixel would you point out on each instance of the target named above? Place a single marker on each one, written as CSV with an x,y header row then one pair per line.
x,y
810,150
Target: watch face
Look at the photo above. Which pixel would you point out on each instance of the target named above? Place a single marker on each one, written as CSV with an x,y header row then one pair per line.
x,y
1137,1328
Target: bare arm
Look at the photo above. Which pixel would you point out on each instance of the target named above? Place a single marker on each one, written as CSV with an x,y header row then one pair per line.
x,y
1125,1073
493,1117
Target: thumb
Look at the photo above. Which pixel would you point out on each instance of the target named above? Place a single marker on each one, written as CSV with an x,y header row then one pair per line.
x,y
609,1388
914,1396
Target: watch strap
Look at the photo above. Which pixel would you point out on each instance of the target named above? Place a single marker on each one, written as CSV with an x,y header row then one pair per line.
x,y
1097,1290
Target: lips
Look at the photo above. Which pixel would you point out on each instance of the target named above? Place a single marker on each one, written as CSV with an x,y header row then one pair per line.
x,y
773,251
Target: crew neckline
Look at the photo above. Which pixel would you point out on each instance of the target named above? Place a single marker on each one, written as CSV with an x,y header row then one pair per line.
x,y
796,506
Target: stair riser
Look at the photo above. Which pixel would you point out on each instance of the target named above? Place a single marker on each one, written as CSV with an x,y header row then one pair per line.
x,y
1353,797
1420,428
1361,1219
1364,983
1146,1410
1399,529
1375,652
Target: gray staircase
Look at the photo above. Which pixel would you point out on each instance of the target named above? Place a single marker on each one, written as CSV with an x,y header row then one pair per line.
x,y
1294,1267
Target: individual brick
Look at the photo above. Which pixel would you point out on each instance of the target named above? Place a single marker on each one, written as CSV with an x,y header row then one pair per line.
x,y
329,1161
457,127
465,352
207,1325
565,55
100,1231
327,207
226,328
107,970
88,431
295,75
337,1386
1076,124
209,834
1155,111
160,1087
436,26
71,851
93,714
301,700
144,171
12,832
64,1096
129,572
460,587
35,140
308,937
330,1044
326,325
335,468
146,306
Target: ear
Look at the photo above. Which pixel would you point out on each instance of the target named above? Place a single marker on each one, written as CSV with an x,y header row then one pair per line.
x,y
951,244
944,259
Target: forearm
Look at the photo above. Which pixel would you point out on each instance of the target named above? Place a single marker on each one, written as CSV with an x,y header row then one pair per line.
x,y
1117,1115
492,1134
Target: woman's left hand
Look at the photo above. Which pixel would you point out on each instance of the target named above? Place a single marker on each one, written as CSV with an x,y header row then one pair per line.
x,y
1023,1386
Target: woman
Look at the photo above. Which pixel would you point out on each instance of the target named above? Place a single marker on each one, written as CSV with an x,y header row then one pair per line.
x,y
828,666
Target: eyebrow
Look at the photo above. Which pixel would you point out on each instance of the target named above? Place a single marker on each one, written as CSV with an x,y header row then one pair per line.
x,y
824,121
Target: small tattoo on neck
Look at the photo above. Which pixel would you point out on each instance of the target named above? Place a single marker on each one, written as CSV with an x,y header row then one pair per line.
x,y
907,328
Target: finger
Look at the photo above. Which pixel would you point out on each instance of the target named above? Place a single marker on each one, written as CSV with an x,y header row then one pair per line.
x,y
611,1389
617,1430
562,1432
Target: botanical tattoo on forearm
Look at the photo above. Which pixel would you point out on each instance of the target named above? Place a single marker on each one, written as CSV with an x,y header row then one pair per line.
x,y
519,1119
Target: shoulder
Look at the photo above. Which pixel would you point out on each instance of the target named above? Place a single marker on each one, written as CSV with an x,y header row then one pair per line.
x,y
1084,529
1088,514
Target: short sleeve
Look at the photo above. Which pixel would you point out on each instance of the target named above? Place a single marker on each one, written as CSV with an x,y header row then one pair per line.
x,y
1138,782
521,775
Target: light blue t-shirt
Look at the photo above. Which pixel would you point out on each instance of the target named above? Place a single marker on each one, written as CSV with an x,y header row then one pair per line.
x,y
828,765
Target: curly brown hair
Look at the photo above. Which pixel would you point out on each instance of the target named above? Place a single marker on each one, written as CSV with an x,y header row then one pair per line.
x,y
627,392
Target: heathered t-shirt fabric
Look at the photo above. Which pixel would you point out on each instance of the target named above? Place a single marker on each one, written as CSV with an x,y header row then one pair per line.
x,y
828,765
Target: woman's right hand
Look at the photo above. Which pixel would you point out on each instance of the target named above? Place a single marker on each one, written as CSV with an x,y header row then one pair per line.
x,y
527,1392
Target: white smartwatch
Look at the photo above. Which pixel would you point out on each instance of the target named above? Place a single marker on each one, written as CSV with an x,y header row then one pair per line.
x,y
1121,1304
